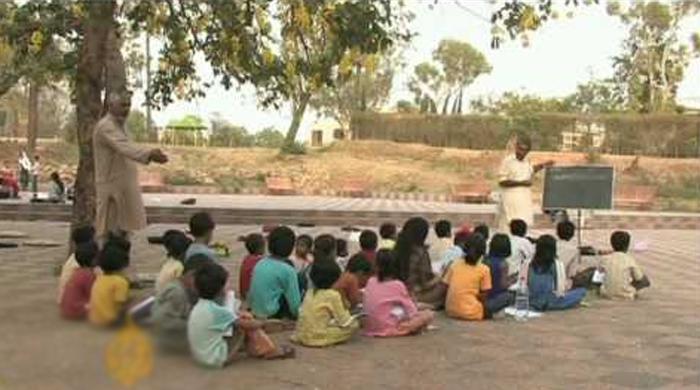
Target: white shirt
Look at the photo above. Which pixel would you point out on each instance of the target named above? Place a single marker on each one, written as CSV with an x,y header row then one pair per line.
x,y
521,253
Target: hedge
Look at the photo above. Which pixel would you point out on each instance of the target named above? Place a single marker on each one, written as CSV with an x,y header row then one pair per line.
x,y
667,135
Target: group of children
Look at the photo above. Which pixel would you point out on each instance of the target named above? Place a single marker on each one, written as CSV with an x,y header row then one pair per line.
x,y
391,287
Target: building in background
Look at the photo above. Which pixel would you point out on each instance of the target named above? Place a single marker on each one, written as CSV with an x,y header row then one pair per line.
x,y
324,132
582,136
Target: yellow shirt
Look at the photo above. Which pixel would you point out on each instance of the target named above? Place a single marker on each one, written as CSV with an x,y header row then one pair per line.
x,y
171,270
465,281
107,298
620,270
324,320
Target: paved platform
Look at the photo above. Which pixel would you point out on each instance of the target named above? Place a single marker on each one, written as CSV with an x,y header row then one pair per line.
x,y
329,211
653,343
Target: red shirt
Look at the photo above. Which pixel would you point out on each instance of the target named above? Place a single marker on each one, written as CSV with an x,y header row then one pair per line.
x,y
246,274
77,294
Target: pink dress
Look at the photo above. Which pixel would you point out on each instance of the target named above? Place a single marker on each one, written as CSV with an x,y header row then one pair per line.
x,y
387,305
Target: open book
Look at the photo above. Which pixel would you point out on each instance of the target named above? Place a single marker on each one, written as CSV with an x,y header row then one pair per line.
x,y
349,322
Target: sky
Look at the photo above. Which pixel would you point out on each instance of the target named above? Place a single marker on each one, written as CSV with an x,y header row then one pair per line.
x,y
561,54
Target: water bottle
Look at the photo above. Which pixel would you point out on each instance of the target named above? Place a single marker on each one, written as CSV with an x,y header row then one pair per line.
x,y
522,302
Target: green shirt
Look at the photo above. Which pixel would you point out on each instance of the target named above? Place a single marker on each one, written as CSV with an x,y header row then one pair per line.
x,y
273,280
209,322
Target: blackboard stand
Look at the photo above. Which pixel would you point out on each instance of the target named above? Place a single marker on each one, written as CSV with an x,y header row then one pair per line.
x,y
579,233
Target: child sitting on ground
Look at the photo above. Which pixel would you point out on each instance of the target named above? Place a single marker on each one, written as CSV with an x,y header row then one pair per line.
x,y
274,289
255,245
368,245
202,229
484,230
353,280
302,252
324,251
456,251
176,244
521,248
437,250
216,333
387,232
172,307
542,280
389,308
499,251
469,284
623,276
78,236
110,292
76,294
324,320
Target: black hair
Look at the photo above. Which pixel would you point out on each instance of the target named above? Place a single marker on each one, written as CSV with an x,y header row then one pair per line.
x,y
210,279
255,244
500,246
545,253
566,230
387,231
413,235
518,227
195,262
387,266
443,229
201,223
620,241
83,234
359,264
113,258
341,247
280,242
475,248
483,229
368,240
118,239
86,254
307,239
461,238
325,248
525,140
56,178
324,274
176,243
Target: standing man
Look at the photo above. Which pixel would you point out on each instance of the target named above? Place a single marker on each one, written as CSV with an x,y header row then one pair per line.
x,y
119,203
515,180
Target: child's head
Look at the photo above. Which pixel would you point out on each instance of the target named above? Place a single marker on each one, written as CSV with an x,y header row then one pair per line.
x,y
483,229
476,247
255,244
210,280
387,231
461,238
86,253
414,233
83,234
119,239
500,246
176,243
193,264
620,241
387,267
545,252
113,257
55,177
566,230
368,240
518,227
325,248
280,242
324,274
202,226
304,245
341,248
360,267
443,229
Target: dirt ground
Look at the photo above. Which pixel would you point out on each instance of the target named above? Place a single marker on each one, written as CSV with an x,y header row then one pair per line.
x,y
648,344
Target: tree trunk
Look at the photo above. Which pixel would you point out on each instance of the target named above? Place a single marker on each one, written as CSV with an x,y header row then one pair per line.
x,y
89,107
445,104
33,118
298,109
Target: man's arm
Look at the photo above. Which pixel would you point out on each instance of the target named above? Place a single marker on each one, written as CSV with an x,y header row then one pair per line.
x,y
116,139
538,167
514,183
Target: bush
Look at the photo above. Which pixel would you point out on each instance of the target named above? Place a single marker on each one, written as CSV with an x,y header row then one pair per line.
x,y
295,148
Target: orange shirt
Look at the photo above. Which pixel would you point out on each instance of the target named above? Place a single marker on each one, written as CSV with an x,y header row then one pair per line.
x,y
465,281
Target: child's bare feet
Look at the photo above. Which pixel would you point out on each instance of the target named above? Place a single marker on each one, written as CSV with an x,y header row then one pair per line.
x,y
283,352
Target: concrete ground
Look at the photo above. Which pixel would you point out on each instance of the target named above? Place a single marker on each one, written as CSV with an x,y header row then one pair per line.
x,y
648,344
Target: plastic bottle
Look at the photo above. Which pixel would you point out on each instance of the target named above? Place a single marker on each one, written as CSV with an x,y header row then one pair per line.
x,y
522,301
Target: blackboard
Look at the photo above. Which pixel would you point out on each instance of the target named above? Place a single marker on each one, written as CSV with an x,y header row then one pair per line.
x,y
578,187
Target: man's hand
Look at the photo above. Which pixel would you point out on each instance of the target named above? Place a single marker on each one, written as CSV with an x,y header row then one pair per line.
x,y
548,163
158,156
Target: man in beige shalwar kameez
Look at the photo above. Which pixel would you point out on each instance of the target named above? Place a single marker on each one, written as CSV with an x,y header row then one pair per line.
x,y
119,203
515,180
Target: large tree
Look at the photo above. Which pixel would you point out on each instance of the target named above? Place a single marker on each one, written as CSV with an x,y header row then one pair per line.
x,y
234,37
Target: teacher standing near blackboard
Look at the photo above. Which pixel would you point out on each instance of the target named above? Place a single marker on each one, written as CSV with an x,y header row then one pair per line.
x,y
515,181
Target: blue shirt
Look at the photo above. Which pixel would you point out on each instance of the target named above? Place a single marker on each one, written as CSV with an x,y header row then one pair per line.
x,y
273,280
451,255
207,325
200,249
496,266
